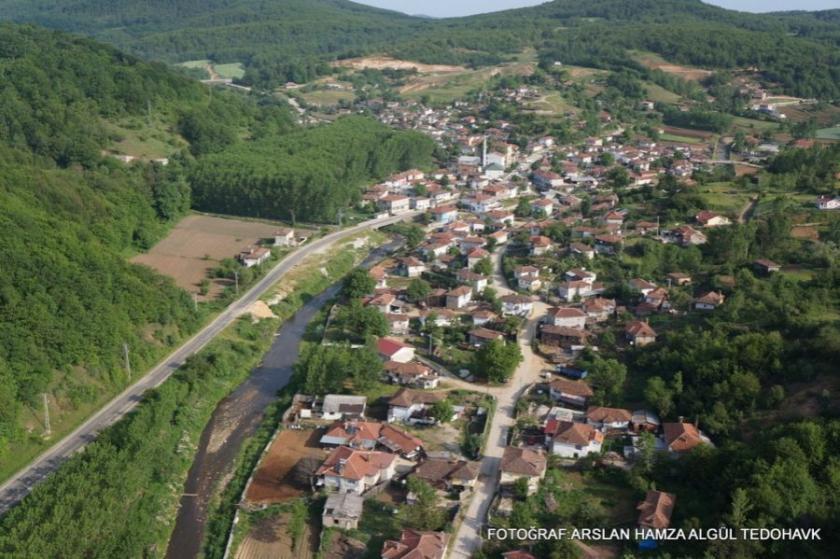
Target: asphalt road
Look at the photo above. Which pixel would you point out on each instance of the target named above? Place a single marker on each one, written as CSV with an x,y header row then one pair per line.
x,y
20,484
470,533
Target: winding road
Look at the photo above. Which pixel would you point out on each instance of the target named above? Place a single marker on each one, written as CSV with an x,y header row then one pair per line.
x,y
469,537
21,483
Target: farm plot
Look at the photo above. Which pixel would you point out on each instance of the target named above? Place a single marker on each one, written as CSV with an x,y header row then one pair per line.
x,y
269,538
281,475
656,62
198,243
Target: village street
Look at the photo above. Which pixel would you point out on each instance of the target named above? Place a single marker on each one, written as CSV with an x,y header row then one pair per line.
x,y
469,536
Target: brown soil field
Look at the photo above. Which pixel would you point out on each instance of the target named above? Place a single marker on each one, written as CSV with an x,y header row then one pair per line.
x,y
741,170
805,232
269,539
198,243
274,481
383,62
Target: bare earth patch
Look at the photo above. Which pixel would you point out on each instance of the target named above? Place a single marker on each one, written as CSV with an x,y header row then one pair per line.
x,y
386,62
276,480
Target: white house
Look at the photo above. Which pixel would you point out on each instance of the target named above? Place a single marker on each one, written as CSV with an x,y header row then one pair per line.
x,y
572,440
566,316
254,256
522,463
570,391
412,267
394,350
517,305
411,406
284,237
608,418
348,470
527,277
395,203
445,214
340,406
570,289
709,301
459,297
828,203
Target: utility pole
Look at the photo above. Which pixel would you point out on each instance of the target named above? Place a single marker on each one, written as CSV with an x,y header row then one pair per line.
x,y
127,361
149,112
195,302
236,279
47,428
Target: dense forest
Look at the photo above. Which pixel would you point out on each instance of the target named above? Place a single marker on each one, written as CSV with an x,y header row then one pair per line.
x,y
798,51
68,298
308,174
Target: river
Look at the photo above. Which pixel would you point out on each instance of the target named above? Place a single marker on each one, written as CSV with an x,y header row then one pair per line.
x,y
238,416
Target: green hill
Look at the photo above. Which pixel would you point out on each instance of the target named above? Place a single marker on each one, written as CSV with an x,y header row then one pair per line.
x,y
70,216
295,39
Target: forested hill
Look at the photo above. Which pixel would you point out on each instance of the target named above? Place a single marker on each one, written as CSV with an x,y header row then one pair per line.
x,y
70,216
295,40
294,37
68,298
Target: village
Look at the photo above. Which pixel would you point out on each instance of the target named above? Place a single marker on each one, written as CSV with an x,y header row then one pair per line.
x,y
516,263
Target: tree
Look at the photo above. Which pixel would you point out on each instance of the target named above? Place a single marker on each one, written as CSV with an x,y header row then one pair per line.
x,y
607,378
520,488
497,361
483,267
326,369
358,284
658,395
523,208
442,410
418,289
618,177
425,513
362,321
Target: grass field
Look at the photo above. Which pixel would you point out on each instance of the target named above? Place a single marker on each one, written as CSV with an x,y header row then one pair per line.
x,y
233,71
659,94
681,139
723,197
752,125
829,133
552,103
327,97
138,138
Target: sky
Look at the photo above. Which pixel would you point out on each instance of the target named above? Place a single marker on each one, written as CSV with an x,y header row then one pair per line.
x,y
451,8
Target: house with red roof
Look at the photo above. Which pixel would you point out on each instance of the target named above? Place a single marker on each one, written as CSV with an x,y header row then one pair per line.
x,y
416,545
394,350
348,470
